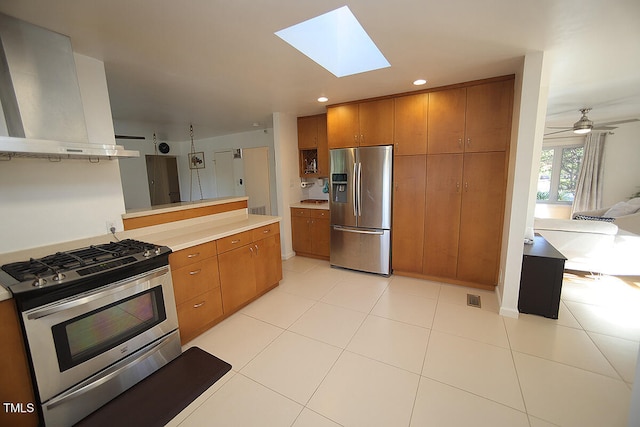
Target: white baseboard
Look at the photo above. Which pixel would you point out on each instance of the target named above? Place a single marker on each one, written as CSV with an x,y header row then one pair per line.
x,y
509,312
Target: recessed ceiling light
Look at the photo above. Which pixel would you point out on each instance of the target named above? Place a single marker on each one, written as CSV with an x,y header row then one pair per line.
x,y
323,99
419,82
337,42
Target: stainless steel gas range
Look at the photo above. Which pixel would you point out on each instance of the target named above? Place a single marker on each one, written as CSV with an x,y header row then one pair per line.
x,y
96,321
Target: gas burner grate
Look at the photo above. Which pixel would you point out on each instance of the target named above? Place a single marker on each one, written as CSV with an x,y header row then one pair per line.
x,y
75,259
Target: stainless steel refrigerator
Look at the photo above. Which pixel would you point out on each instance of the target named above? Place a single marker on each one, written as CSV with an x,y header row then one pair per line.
x,y
360,202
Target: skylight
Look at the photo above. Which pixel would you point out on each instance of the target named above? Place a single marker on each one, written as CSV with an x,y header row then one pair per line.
x,y
337,42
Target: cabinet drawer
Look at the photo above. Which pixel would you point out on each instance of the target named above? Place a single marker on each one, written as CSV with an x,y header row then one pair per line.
x,y
193,254
197,313
300,212
320,213
195,279
266,231
234,241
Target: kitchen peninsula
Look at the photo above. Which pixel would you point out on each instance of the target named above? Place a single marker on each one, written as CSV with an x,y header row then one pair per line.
x,y
223,258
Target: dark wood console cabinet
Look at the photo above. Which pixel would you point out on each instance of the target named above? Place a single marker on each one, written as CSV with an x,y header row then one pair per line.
x,y
541,279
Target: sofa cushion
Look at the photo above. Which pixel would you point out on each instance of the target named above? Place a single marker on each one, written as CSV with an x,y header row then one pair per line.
x,y
593,218
622,209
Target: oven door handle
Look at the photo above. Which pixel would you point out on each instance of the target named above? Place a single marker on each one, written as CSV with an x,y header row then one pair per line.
x,y
91,383
95,294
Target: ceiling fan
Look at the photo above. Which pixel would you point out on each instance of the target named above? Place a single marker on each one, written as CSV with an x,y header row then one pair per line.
x,y
584,125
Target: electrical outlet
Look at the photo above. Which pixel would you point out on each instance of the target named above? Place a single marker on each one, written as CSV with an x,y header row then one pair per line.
x,y
111,227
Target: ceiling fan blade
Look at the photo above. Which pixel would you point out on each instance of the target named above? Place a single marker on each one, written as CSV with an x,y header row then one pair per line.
x,y
564,137
619,122
129,137
558,131
559,127
604,128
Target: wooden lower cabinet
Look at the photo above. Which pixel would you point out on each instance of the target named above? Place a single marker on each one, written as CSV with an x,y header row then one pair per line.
x,y
267,264
196,287
408,213
237,277
464,216
15,377
250,270
442,216
481,217
311,232
213,280
198,314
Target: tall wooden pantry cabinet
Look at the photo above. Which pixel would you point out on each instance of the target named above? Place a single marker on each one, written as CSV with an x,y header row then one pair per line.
x,y
450,170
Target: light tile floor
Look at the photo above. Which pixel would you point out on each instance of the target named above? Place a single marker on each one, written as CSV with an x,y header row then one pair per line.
x,y
331,347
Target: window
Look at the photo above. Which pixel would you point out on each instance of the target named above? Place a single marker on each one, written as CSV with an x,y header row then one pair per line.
x,y
558,173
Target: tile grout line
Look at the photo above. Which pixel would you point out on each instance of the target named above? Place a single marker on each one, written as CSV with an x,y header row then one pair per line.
x,y
426,350
515,368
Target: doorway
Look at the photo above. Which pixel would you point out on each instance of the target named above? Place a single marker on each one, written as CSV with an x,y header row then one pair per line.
x,y
224,174
162,175
256,174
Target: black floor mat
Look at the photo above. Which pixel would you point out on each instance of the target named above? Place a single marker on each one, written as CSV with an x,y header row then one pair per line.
x,y
161,396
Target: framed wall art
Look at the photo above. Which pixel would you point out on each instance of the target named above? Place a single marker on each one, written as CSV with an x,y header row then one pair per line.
x,y
196,160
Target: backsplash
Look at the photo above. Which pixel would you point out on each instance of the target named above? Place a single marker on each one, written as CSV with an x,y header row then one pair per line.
x,y
315,191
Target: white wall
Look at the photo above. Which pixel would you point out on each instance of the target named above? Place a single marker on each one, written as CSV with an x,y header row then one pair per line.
x,y
621,164
252,139
43,202
529,111
133,172
285,131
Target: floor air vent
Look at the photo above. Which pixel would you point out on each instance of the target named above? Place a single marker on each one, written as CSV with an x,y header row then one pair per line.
x,y
473,300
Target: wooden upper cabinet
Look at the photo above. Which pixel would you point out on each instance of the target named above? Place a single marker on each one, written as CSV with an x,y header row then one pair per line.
x,y
360,124
308,132
312,146
472,119
376,122
410,125
323,147
446,116
343,127
488,118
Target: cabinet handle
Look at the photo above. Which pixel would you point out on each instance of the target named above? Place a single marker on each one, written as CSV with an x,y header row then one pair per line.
x,y
233,242
355,138
200,304
466,186
194,272
257,248
458,187
468,142
266,231
193,255
460,142
251,249
361,139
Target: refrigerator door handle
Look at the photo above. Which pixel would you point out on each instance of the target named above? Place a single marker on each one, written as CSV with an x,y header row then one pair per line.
x,y
359,189
358,230
354,182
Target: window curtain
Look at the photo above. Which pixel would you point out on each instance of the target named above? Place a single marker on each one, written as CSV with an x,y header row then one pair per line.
x,y
589,187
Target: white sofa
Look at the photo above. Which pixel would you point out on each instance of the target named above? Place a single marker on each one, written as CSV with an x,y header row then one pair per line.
x,y
626,215
593,246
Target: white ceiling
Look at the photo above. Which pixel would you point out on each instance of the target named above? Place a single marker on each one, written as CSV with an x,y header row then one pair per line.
x,y
217,64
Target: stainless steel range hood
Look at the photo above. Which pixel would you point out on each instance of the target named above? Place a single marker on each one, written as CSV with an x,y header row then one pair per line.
x,y
41,105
